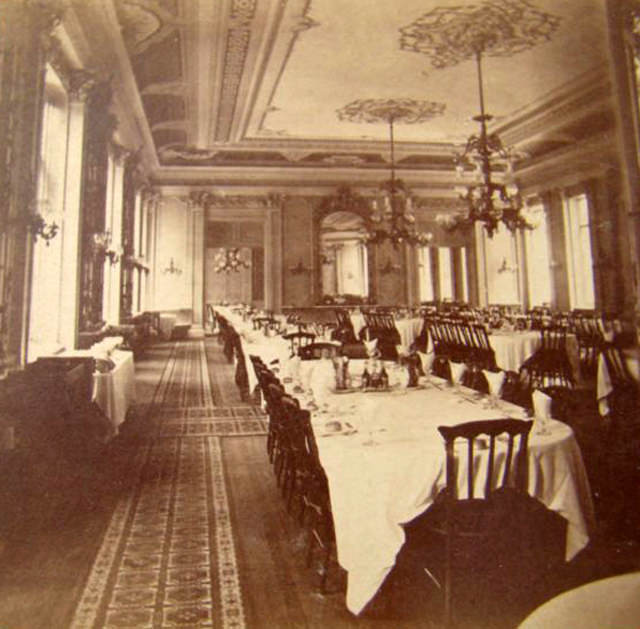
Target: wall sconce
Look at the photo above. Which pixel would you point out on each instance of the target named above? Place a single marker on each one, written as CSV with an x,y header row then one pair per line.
x,y
114,255
39,228
172,269
299,269
505,267
389,267
101,242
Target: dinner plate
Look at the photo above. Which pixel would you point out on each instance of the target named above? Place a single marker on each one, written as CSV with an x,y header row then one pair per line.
x,y
345,429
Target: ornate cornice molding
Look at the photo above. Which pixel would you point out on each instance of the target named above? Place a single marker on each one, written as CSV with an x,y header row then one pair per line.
x,y
207,199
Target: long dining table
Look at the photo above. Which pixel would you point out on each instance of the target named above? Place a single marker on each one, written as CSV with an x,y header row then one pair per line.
x,y
386,465
389,465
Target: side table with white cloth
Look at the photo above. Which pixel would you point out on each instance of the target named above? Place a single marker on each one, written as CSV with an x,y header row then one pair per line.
x,y
391,469
113,389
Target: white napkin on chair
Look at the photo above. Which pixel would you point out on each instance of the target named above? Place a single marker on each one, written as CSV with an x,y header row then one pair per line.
x,y
426,360
371,347
457,372
495,380
541,405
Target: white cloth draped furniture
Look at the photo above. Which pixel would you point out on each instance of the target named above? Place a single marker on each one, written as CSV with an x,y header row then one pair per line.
x,y
612,603
114,391
376,488
513,348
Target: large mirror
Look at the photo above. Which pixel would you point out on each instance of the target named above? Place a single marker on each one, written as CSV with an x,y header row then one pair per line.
x,y
343,256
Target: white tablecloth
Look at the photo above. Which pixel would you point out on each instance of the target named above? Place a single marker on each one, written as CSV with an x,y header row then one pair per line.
x,y
612,603
604,386
513,348
166,322
114,391
376,488
408,329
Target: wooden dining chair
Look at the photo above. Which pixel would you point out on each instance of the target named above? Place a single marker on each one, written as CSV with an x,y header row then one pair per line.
x,y
315,513
486,489
620,446
320,349
298,339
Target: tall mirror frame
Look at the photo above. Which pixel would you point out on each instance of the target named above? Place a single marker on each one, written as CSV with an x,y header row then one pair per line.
x,y
344,200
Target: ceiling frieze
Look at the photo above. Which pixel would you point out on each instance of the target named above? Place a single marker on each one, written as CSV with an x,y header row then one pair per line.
x,y
238,38
207,200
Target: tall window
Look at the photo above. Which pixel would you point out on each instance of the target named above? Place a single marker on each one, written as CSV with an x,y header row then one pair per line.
x,y
538,257
425,275
445,273
579,258
47,279
464,285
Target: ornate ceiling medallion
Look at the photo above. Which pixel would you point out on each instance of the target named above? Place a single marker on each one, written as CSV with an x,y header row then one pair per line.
x,y
499,28
385,110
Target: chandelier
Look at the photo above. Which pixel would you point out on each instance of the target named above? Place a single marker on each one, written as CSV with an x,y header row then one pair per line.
x,y
228,260
449,35
392,216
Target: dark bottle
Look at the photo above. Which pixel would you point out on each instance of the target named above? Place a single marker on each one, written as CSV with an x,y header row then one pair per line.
x,y
384,378
366,379
412,367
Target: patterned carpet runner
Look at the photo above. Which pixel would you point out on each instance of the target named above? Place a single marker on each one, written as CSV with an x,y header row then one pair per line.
x,y
168,556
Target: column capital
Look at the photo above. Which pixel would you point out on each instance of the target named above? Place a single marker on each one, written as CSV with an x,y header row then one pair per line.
x,y
119,153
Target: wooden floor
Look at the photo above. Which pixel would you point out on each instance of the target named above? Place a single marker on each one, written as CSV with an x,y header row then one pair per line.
x,y
53,522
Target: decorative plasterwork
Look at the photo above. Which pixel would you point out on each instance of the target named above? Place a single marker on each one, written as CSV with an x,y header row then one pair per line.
x,y
237,46
449,35
405,110
208,200
144,22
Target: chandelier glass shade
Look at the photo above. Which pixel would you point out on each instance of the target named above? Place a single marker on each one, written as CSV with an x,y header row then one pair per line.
x,y
492,197
392,218
229,260
451,35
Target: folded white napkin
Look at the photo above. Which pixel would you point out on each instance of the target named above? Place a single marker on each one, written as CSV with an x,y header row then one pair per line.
x,y
292,368
322,379
541,405
371,347
457,372
495,380
426,360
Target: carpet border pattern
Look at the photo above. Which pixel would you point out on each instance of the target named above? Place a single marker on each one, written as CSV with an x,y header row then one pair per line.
x,y
95,608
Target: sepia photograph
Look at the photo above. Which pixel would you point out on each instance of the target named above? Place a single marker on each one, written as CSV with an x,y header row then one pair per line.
x,y
319,314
